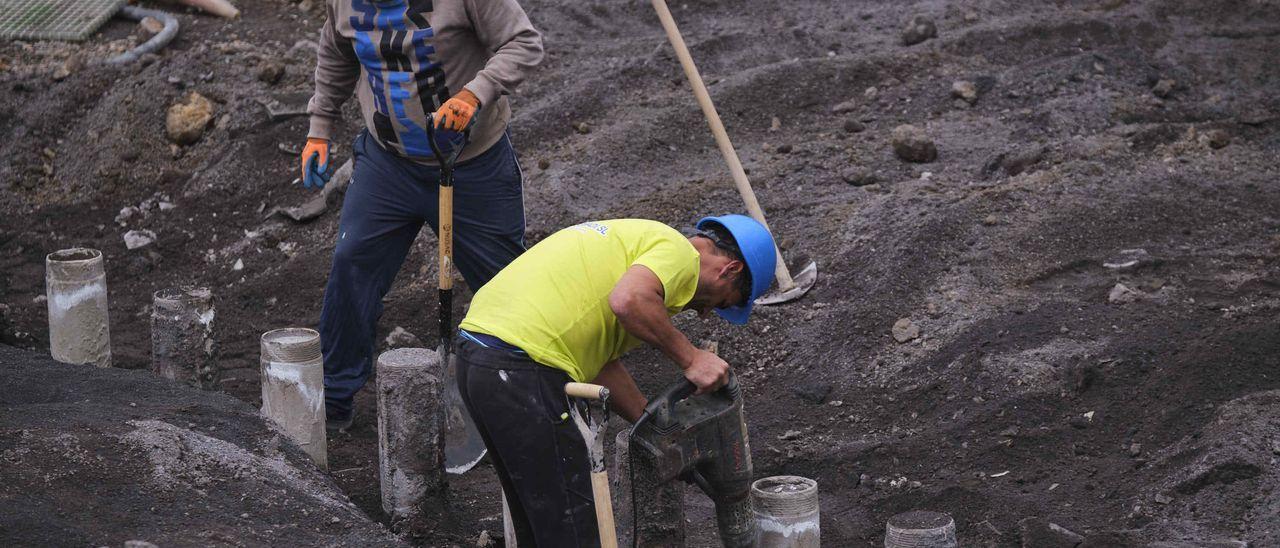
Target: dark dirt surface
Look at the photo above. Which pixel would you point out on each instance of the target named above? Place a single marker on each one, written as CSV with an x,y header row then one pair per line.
x,y
97,457
1099,126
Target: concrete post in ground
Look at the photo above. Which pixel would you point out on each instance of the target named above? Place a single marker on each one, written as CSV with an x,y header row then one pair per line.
x,y
76,289
786,512
645,512
411,435
293,388
920,529
182,336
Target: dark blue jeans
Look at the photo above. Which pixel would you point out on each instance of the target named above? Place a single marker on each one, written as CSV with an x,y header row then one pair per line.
x,y
388,201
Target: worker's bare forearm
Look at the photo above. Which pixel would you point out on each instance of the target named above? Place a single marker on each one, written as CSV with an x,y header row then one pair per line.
x,y
645,316
625,397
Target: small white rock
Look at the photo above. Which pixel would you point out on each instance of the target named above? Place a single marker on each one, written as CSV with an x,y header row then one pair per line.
x,y
239,265
1123,294
134,239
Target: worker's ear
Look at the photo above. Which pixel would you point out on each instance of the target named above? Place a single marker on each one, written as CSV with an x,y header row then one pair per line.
x,y
731,269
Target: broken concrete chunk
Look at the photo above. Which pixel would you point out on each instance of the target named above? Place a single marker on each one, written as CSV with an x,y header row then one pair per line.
x,y
270,72
847,106
402,338
135,239
221,8
1022,160
126,213
858,176
71,66
1042,533
1123,294
151,25
919,29
911,144
1215,138
186,121
966,90
905,330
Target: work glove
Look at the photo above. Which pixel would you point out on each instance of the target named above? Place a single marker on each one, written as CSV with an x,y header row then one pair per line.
x,y
456,113
316,169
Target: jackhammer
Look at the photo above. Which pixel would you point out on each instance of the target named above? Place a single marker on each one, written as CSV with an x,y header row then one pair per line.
x,y
702,440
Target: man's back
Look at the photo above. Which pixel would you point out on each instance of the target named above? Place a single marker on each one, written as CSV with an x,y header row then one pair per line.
x,y
553,301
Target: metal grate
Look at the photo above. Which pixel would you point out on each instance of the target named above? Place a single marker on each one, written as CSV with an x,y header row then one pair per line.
x,y
54,19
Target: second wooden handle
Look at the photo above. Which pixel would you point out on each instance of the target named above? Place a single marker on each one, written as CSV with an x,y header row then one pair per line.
x,y
586,390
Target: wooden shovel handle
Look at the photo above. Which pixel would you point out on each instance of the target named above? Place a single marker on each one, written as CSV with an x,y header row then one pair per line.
x,y
446,237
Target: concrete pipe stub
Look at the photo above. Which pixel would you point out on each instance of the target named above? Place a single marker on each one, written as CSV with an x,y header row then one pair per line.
x,y
293,388
291,345
410,390
786,512
182,345
76,293
920,529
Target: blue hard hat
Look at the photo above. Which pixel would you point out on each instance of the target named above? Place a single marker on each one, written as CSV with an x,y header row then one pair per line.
x,y
758,251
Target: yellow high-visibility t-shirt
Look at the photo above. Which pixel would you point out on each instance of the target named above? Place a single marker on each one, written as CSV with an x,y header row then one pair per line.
x,y
553,300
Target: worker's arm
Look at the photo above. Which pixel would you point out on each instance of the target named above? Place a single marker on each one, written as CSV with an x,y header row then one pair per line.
x,y
624,396
637,301
337,70
504,29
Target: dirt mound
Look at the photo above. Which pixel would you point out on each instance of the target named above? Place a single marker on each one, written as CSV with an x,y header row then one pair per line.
x,y
101,456
1091,145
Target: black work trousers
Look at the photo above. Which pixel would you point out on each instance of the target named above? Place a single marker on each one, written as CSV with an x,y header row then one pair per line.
x,y
522,413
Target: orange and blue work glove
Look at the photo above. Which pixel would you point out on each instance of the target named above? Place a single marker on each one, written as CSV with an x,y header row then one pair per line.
x,y
456,113
316,170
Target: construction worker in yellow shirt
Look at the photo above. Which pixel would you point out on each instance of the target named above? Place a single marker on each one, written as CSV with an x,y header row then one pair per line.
x,y
567,310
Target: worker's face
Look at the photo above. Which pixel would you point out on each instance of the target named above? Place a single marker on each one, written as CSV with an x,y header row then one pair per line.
x,y
720,278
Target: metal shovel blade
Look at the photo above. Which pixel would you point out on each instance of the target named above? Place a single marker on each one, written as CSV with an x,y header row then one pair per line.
x,y
463,446
803,283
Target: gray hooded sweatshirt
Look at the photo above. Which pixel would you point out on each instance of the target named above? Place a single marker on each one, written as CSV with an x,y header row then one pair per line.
x,y
410,56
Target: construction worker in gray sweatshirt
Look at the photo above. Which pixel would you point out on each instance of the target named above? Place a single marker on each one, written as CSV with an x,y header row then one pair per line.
x,y
411,61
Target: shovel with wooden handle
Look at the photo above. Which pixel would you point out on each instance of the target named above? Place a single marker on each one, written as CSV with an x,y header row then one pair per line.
x,y
789,288
593,435
463,447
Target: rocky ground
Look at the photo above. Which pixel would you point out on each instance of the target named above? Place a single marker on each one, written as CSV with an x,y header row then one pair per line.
x,y
1051,300
98,457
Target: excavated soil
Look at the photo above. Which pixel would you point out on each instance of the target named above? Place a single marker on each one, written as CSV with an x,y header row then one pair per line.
x,y
1087,270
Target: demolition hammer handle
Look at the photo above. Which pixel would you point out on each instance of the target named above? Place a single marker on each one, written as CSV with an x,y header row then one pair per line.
x,y
586,391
